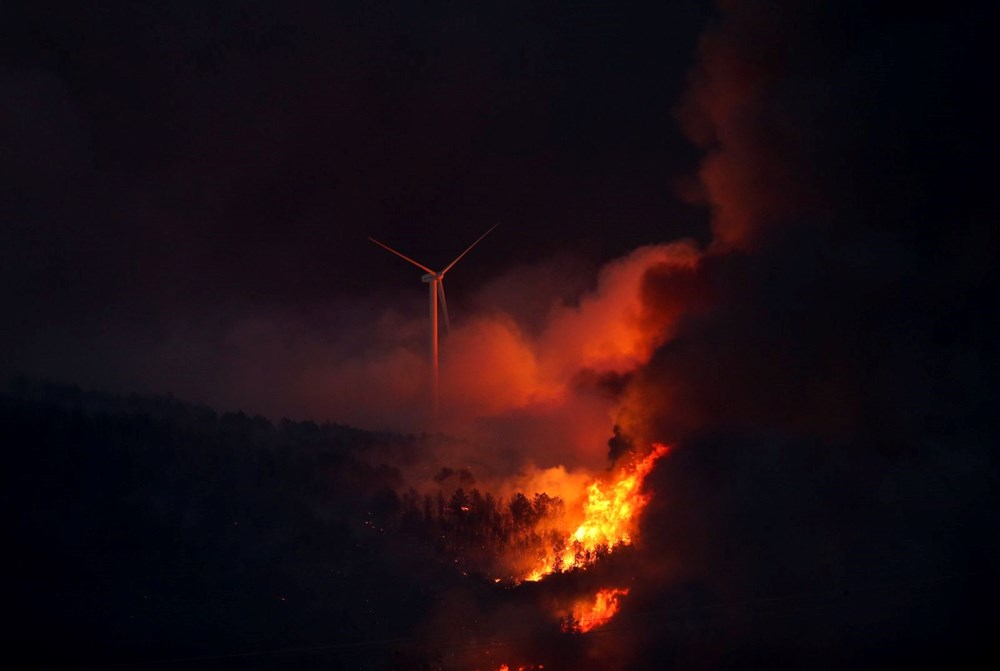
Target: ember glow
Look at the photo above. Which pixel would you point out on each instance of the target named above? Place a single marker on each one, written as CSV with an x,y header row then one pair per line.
x,y
610,513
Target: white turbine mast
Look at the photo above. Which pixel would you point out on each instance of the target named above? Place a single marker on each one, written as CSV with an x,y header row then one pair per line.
x,y
435,282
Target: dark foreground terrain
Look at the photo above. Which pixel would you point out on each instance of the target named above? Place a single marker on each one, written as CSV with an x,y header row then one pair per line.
x,y
145,532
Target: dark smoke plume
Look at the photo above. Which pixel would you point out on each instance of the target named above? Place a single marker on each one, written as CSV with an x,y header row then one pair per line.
x,y
829,502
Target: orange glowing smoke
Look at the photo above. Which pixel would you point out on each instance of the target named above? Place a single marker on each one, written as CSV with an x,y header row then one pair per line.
x,y
590,614
610,513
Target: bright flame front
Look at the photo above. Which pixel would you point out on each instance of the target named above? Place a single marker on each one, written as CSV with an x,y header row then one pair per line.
x,y
610,513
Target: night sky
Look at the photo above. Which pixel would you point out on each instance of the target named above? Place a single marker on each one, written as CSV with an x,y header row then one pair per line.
x,y
170,168
761,232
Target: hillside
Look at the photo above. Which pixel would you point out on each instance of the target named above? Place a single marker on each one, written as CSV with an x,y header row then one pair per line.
x,y
149,529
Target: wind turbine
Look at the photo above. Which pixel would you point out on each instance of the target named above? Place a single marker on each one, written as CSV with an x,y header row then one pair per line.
x,y
435,282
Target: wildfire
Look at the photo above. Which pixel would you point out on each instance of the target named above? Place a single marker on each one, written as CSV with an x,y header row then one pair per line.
x,y
605,519
592,614
610,512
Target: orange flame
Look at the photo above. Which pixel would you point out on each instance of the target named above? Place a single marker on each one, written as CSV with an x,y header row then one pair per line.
x,y
588,615
609,516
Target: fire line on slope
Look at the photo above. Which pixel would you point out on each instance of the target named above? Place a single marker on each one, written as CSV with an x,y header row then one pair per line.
x,y
610,513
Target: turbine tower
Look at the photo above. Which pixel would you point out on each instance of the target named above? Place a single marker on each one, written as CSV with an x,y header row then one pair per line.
x,y
435,282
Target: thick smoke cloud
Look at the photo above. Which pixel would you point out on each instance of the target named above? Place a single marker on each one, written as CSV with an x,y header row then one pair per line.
x,y
755,174
545,390
829,499
531,378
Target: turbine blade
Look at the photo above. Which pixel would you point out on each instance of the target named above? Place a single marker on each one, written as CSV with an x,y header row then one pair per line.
x,y
403,256
444,306
469,249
